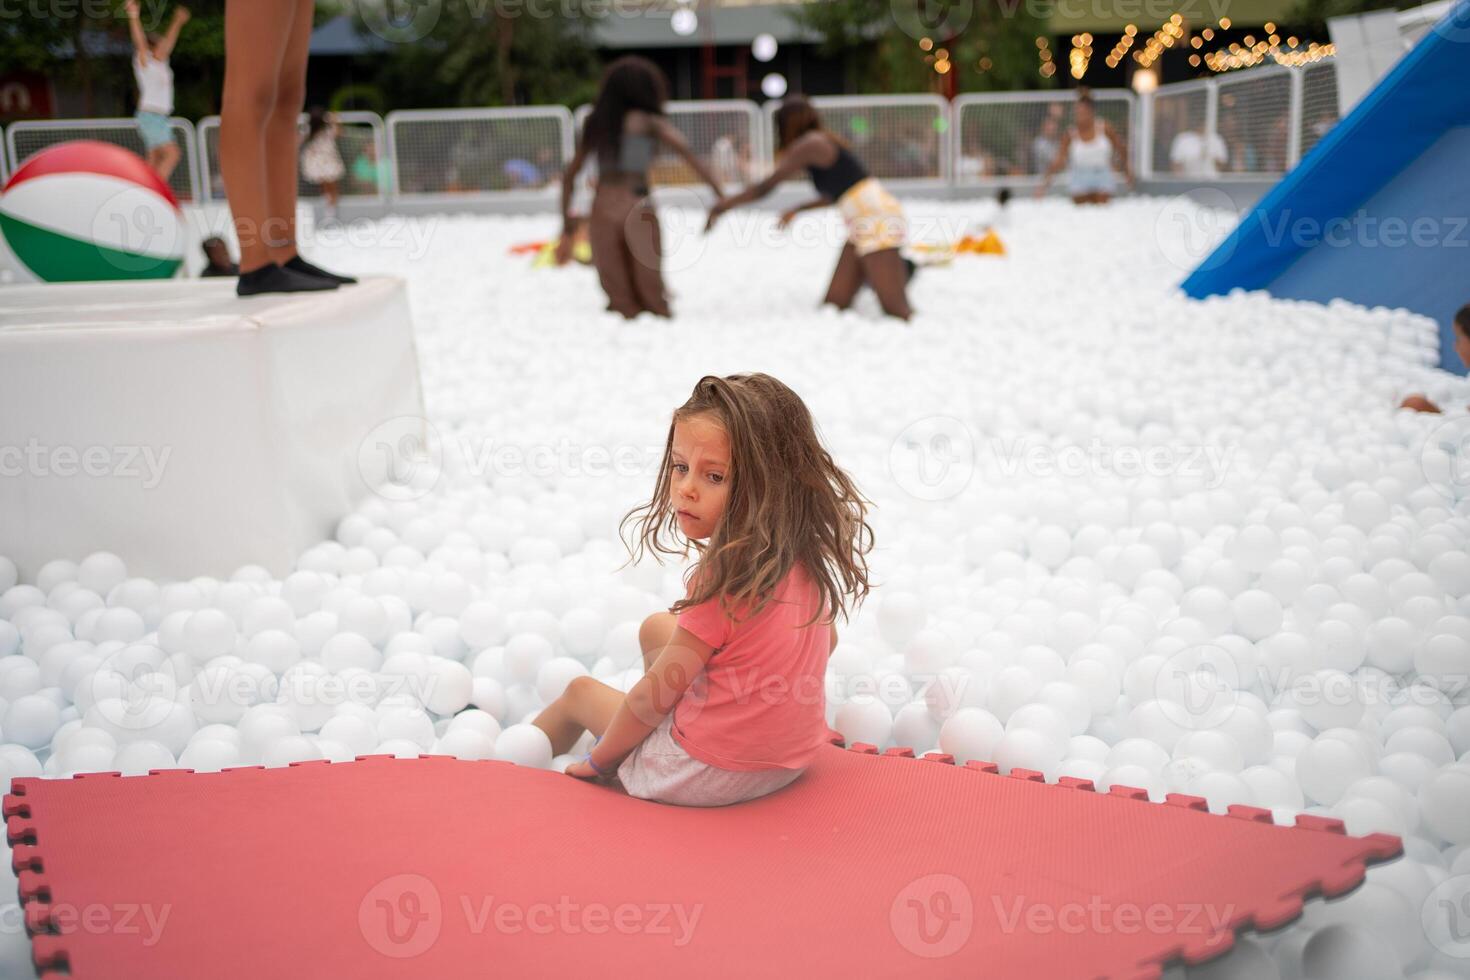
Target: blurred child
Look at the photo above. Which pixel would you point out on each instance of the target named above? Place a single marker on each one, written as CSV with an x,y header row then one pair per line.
x,y
1420,402
623,134
217,261
1088,152
155,80
321,161
781,537
876,229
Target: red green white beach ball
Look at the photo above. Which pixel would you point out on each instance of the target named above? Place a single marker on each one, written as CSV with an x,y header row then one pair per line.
x,y
85,210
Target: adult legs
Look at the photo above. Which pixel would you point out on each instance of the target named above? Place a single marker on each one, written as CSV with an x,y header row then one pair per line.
x,y
645,250
847,278
254,45
281,136
614,266
886,273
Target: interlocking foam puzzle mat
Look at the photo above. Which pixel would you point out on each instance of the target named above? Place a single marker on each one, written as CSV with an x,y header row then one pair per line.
x,y
868,865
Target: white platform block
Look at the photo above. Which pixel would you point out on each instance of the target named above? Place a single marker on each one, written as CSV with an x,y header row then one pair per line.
x,y
190,431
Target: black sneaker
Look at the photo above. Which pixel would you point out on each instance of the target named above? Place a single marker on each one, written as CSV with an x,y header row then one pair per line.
x,y
279,279
298,264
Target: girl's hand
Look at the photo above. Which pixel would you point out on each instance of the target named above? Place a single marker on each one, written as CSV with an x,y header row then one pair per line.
x,y
717,209
582,769
181,14
131,8
786,218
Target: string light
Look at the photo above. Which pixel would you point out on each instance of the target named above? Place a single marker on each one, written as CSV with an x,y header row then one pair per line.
x,y
1162,40
1120,50
926,43
1048,67
1081,54
1237,56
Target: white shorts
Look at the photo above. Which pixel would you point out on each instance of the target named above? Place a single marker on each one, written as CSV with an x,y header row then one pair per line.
x,y
660,770
874,217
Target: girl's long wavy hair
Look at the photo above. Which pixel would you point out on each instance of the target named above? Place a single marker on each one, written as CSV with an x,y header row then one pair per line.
x,y
788,503
628,83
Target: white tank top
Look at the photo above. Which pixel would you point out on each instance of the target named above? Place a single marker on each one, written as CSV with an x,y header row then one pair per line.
x,y
1093,154
155,85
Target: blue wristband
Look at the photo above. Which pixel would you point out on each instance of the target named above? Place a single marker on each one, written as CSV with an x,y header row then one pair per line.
x,y
588,758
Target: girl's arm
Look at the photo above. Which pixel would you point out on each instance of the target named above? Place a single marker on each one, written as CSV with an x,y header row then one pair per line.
x,y
135,28
171,37
669,135
787,216
653,697
810,149
568,185
1062,150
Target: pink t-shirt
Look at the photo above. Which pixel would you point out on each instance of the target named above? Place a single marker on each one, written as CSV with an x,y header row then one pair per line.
x,y
760,701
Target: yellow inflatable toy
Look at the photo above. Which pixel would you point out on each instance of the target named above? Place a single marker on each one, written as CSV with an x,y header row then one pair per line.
x,y
923,253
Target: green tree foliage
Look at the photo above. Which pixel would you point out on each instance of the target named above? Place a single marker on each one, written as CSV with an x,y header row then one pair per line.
x,y
879,42
479,52
85,45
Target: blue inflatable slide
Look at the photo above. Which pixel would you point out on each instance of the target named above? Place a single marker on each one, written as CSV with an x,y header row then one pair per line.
x,y
1379,211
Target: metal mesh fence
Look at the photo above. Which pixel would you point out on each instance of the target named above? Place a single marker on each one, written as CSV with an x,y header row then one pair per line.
x,y
1010,136
479,151
360,144
904,140
1181,142
1254,120
1320,110
1249,123
23,139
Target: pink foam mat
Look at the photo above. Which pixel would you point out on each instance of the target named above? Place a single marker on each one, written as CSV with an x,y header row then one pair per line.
x,y
868,865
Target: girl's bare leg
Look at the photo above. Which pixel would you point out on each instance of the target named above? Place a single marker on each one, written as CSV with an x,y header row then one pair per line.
x,y
586,705
281,137
163,159
655,633
889,278
645,249
255,42
609,256
847,279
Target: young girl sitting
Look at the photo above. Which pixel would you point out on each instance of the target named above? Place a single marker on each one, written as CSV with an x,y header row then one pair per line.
x,y
875,223
623,133
732,706
321,161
